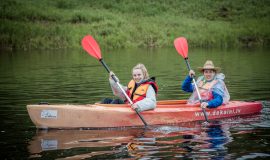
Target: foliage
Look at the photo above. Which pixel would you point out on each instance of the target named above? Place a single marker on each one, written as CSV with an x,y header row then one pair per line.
x,y
133,23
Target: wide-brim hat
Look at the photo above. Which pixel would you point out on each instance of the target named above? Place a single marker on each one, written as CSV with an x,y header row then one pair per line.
x,y
209,65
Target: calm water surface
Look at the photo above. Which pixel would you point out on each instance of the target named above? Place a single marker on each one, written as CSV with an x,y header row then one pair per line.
x,y
72,76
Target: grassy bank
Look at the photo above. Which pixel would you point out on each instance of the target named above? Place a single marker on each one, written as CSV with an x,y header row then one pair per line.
x,y
134,23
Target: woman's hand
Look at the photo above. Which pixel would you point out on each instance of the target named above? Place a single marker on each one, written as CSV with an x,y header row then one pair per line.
x,y
191,73
204,104
134,106
113,75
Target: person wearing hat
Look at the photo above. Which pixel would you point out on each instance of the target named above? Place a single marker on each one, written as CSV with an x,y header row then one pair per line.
x,y
211,86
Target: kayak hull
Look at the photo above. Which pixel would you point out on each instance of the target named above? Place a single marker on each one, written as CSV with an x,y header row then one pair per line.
x,y
121,115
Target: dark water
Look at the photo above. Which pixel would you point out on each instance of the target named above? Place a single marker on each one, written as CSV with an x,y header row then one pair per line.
x,y
74,77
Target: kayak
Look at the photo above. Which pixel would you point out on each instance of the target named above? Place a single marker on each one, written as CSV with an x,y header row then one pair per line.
x,y
122,115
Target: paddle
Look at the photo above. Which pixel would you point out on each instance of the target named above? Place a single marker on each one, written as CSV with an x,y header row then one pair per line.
x,y
92,48
181,46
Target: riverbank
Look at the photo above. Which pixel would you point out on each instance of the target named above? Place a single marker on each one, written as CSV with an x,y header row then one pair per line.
x,y
134,23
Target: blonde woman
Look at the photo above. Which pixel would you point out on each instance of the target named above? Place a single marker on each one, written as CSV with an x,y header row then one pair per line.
x,y
141,90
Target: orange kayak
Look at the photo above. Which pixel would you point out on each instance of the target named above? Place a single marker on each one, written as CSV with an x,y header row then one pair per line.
x,y
121,115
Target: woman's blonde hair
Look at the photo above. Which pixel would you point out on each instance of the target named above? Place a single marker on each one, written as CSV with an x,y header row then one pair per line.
x,y
143,69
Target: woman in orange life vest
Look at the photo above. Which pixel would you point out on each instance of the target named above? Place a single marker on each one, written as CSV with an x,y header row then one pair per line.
x,y
211,86
141,90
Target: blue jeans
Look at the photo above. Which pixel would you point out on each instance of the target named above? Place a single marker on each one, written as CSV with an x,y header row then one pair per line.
x,y
112,101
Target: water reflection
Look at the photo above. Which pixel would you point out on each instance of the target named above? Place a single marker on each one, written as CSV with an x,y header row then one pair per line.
x,y
46,140
191,140
197,142
215,137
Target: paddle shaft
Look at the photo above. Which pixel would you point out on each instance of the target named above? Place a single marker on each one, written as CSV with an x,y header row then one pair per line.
x,y
197,89
123,91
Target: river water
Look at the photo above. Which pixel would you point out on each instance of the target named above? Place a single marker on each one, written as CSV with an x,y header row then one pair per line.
x,y
72,76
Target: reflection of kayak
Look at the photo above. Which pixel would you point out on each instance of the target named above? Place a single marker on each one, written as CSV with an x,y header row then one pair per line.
x,y
56,139
119,115
66,139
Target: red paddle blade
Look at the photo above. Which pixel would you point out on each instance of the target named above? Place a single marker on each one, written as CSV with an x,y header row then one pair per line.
x,y
181,46
90,45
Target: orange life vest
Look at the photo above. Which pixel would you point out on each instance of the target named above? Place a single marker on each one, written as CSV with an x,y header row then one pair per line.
x,y
139,93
